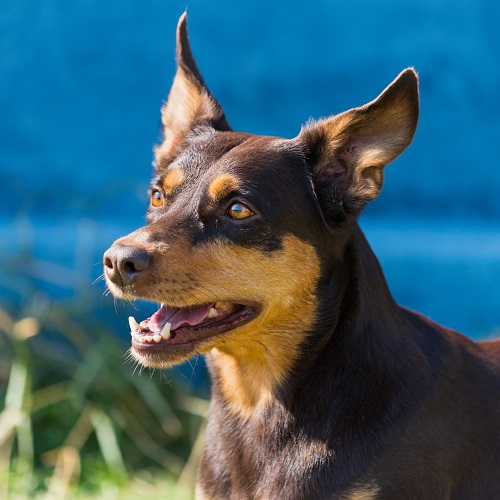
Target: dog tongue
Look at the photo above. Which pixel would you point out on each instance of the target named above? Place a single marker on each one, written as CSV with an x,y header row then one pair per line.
x,y
177,316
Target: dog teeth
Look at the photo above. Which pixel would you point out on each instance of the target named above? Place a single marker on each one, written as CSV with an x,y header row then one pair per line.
x,y
212,313
134,326
165,333
137,331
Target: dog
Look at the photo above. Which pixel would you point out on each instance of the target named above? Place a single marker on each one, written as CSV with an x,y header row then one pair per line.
x,y
322,386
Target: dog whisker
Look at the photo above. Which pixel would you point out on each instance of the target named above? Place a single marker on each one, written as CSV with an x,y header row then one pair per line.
x,y
99,278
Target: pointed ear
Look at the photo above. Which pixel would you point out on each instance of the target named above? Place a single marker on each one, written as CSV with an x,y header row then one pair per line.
x,y
190,102
347,153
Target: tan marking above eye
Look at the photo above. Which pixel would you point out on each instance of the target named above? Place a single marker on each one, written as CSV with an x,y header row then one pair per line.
x,y
173,179
222,186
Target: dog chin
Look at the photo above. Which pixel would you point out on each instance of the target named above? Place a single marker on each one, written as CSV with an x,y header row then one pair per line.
x,y
160,360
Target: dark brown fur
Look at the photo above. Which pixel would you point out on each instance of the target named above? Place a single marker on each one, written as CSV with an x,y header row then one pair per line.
x,y
330,389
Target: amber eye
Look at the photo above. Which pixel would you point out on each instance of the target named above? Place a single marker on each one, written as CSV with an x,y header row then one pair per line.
x,y
239,211
156,198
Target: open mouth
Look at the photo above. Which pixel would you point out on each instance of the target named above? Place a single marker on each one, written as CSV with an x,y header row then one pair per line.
x,y
180,327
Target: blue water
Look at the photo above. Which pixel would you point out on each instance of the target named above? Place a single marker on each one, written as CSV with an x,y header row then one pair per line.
x,y
81,84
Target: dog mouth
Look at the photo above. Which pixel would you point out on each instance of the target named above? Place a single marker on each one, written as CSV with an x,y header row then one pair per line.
x,y
173,328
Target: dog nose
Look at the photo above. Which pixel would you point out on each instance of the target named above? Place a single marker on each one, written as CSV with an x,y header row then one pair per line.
x,y
123,263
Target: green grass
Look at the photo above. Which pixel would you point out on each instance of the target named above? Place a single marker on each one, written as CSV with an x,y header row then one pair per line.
x,y
78,421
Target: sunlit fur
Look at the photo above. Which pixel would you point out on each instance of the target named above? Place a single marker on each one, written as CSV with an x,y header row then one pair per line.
x,y
222,185
172,180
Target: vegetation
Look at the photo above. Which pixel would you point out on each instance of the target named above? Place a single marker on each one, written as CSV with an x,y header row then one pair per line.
x,y
78,419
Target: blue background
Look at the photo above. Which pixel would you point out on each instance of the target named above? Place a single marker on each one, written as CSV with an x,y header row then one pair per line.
x,y
82,82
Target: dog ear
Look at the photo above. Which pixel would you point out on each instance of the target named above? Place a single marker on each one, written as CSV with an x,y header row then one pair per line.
x,y
347,153
190,102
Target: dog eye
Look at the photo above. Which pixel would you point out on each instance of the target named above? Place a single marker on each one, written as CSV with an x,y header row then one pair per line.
x,y
156,198
239,211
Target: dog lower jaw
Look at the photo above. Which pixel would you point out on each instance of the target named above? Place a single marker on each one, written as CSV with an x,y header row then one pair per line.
x,y
187,341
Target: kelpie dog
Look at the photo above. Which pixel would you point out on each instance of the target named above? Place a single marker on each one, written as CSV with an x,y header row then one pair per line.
x,y
322,386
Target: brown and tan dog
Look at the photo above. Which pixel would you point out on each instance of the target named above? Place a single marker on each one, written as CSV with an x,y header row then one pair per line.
x,y
322,386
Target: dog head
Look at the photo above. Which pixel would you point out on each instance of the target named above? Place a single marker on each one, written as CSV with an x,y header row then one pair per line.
x,y
242,228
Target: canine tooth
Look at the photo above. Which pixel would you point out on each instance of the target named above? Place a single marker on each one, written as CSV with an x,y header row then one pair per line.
x,y
157,338
165,333
212,313
133,324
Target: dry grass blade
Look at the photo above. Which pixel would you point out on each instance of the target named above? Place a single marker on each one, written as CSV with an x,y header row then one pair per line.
x,y
66,472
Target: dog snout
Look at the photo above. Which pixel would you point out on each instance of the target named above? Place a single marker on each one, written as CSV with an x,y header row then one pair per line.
x,y
124,263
